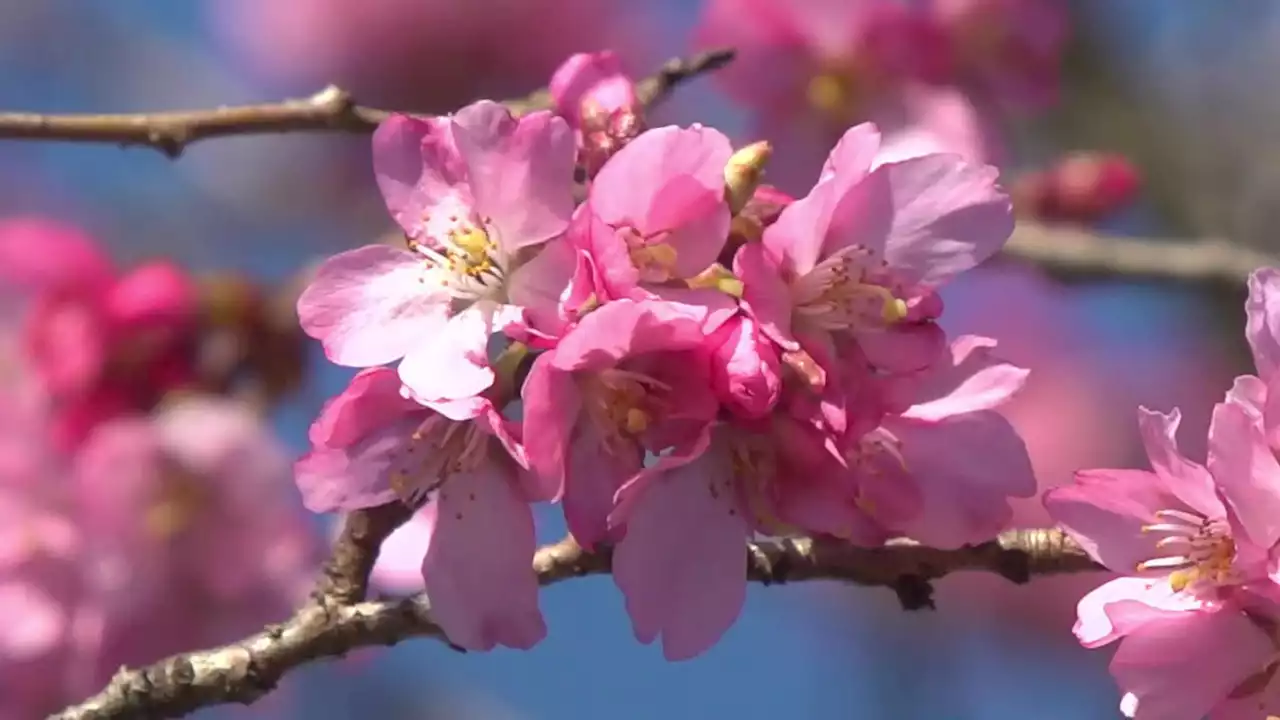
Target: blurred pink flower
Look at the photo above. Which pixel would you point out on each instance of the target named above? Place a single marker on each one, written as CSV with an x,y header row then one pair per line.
x,y
1079,188
810,70
103,343
1007,51
434,55
197,534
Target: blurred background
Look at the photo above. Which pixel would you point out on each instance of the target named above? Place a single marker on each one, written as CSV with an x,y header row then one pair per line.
x,y
1167,98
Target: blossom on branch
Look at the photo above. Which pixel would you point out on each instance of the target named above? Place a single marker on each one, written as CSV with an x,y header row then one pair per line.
x,y
675,407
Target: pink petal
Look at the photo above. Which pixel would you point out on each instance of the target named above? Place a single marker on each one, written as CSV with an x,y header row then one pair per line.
x,y
157,294
1104,511
904,348
44,622
541,286
681,566
399,566
670,179
593,475
551,406
1188,480
454,363
1262,311
1270,409
520,171
765,294
478,568
746,370
369,306
802,233
1182,666
948,217
1249,392
973,380
595,76
1246,472
1122,606
624,328
417,167
41,255
967,468
370,400
773,59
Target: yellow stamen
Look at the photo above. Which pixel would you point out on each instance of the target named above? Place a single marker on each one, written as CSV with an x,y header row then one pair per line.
x,y
659,257
895,309
637,421
178,501
718,277
828,93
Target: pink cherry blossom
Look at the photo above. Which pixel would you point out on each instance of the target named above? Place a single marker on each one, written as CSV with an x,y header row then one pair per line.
x,y
943,469
746,368
476,194
810,70
1011,50
599,100
658,210
372,445
1195,546
631,377
680,561
102,343
860,256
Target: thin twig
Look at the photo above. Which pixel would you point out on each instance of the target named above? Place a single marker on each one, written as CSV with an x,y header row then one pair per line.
x,y
330,110
246,670
1081,253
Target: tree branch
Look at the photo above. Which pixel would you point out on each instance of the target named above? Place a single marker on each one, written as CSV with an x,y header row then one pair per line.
x,y
246,670
330,110
1076,252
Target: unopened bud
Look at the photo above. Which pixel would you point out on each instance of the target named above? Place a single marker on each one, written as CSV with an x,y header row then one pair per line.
x,y
718,277
743,173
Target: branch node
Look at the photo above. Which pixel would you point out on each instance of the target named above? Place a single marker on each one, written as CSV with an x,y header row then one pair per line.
x,y
914,592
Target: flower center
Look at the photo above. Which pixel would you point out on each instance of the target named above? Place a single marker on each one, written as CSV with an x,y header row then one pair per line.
x,y
1201,549
654,258
177,502
438,449
870,457
837,295
465,260
754,464
624,404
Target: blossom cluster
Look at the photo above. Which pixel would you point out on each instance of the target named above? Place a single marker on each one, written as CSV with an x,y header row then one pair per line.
x,y
1197,609
136,523
679,356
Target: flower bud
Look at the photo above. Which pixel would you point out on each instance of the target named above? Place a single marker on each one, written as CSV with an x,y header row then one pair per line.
x,y
743,173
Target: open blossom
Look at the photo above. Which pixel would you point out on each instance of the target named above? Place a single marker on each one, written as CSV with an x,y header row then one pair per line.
x,y
943,469
657,209
860,256
631,377
103,342
599,100
680,563
1195,547
372,445
476,193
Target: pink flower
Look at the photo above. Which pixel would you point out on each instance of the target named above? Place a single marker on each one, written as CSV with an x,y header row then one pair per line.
x,y
680,563
1260,394
943,468
103,344
1079,188
1010,49
632,377
195,529
657,208
476,194
810,70
746,368
859,257
599,100
372,445
1195,545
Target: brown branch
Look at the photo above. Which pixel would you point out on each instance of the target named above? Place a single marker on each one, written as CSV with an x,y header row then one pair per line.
x,y
246,670
330,110
344,580
1081,253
